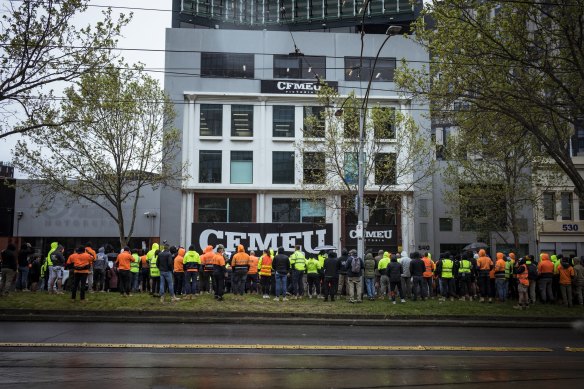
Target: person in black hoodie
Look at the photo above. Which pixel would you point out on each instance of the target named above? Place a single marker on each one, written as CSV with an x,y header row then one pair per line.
x,y
394,272
23,266
331,276
417,269
281,266
165,263
9,266
343,264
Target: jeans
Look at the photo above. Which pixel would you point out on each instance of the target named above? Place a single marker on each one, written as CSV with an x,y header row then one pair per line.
x,y
370,284
134,280
545,289
166,278
447,287
419,287
239,278
298,282
22,279
281,281
429,285
190,282
532,285
501,285
355,288
566,294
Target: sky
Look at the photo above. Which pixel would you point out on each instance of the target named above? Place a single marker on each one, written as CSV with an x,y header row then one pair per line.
x,y
145,31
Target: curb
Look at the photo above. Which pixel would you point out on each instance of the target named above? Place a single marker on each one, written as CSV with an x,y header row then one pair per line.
x,y
281,319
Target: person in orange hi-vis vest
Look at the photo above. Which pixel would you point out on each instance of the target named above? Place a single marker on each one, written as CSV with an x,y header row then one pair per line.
x,y
567,274
522,288
207,269
81,262
123,262
484,266
265,270
252,274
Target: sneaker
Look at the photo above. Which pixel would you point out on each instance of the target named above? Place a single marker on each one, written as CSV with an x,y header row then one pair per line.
x,y
403,301
284,299
517,307
173,299
451,298
162,300
276,298
310,297
393,302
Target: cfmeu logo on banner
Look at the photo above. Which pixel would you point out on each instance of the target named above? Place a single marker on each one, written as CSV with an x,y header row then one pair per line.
x,y
260,236
381,235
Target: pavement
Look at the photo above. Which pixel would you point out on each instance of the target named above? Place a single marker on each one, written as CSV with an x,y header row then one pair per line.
x,y
133,316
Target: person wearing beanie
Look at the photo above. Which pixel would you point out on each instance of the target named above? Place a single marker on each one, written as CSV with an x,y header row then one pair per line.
x,y
281,266
331,276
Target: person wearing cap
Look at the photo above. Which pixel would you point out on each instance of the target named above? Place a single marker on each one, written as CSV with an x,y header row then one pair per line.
x,y
123,263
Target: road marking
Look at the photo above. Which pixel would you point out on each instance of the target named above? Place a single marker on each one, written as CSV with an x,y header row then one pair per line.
x,y
275,347
575,349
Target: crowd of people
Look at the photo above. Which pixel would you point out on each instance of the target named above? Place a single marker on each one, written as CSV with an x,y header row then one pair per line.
x,y
177,271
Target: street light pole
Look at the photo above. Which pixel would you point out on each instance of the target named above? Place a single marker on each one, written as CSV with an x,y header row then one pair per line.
x,y
392,30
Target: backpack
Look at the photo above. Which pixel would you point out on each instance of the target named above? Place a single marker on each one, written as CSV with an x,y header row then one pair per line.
x,y
531,272
356,265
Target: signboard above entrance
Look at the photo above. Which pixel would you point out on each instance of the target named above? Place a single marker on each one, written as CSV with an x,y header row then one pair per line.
x,y
294,87
259,236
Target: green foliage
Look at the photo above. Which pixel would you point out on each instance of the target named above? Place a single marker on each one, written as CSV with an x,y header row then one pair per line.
x,y
521,62
41,48
119,138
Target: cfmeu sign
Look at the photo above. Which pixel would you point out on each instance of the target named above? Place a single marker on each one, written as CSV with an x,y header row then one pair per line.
x,y
260,236
381,235
295,87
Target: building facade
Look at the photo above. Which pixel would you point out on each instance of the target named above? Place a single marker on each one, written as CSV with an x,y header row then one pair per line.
x,y
242,96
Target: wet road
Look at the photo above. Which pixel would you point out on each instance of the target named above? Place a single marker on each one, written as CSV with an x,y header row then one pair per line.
x,y
113,355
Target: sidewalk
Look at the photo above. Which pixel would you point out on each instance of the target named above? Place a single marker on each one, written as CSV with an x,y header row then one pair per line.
x,y
145,316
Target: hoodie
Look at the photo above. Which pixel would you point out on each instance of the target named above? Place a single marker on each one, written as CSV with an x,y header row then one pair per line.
x,y
164,261
369,266
100,262
382,265
484,263
500,266
8,256
394,270
566,272
207,259
54,246
152,253
545,267
281,263
178,261
405,261
240,261
191,261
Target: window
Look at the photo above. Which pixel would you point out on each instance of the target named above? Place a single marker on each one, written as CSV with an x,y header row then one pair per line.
x,y
383,122
351,168
298,211
566,206
283,121
304,67
314,168
578,138
241,167
385,169
314,122
549,206
445,224
242,120
384,69
423,232
225,210
581,209
209,166
283,167
211,120
227,65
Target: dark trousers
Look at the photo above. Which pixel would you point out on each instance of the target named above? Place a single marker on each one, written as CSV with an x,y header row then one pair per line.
x,y
429,282
155,284
313,281
179,279
239,278
330,287
99,279
252,283
484,284
266,283
298,282
219,284
392,286
206,281
145,278
124,281
419,287
79,281
191,282
465,285
447,287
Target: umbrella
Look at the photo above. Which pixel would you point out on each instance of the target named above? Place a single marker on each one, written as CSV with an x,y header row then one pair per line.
x,y
326,247
476,246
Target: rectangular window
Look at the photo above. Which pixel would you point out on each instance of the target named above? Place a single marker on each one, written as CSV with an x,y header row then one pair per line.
x,y
211,120
299,67
549,206
283,167
581,209
383,122
241,167
298,211
314,168
385,169
566,206
242,120
384,69
351,168
227,65
209,166
225,210
283,121
423,232
445,224
314,122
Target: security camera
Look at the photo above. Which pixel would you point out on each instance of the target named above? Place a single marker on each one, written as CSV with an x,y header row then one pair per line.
x,y
147,214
